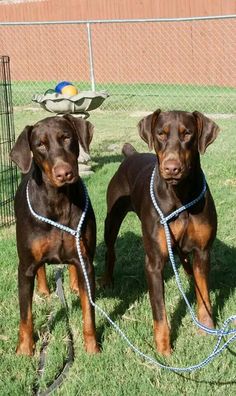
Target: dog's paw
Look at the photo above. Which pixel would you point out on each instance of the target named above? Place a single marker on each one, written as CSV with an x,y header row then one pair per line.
x,y
164,350
26,349
207,322
43,291
92,348
75,290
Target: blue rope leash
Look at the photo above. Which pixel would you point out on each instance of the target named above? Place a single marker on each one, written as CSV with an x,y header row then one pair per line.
x,y
216,350
45,219
164,220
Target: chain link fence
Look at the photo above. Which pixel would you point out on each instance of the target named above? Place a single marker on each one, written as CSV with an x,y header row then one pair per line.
x,y
186,64
8,171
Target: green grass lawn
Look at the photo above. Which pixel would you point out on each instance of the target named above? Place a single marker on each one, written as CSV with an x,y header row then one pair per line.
x,y
117,370
208,99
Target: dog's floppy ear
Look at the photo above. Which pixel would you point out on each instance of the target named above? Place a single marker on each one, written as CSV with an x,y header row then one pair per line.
x,y
84,130
21,153
207,131
146,126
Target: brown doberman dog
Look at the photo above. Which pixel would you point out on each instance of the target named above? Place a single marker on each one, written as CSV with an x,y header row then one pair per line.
x,y
178,138
47,153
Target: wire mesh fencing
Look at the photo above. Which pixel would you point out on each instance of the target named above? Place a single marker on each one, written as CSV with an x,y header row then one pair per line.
x,y
186,64
8,172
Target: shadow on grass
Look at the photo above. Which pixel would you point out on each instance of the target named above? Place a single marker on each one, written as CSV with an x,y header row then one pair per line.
x,y
129,278
222,281
130,283
100,161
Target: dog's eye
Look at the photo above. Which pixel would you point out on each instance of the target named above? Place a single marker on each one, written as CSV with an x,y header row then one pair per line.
x,y
162,135
187,134
41,145
66,139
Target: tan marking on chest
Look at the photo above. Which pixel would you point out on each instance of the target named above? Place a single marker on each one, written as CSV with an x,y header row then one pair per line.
x,y
199,233
54,242
69,244
177,228
39,247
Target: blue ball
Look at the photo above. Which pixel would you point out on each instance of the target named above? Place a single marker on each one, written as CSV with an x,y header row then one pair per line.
x,y
61,85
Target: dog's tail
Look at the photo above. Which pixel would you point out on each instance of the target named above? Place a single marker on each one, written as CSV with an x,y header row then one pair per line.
x,y
128,150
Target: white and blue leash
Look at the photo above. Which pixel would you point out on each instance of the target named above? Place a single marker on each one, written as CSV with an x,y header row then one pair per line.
x,y
76,233
164,220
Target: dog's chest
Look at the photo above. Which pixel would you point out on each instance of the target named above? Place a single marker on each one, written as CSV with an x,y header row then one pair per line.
x,y
186,232
178,230
55,247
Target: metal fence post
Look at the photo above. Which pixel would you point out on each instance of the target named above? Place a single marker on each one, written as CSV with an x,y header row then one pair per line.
x,y
91,65
133,59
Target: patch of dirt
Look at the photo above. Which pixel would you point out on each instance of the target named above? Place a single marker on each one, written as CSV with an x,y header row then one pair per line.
x,y
140,113
230,182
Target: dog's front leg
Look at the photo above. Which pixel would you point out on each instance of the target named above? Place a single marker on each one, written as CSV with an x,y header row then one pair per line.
x,y
201,266
154,267
26,288
89,330
74,280
42,284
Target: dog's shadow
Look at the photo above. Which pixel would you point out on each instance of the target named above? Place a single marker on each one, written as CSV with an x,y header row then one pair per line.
x,y
130,285
99,161
129,277
222,281
130,281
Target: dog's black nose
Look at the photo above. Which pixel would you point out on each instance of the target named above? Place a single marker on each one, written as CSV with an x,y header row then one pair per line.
x,y
172,167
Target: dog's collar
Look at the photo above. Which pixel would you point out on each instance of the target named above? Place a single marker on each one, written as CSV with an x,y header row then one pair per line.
x,y
54,223
166,219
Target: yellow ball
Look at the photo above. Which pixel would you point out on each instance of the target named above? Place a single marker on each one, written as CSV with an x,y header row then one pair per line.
x,y
69,90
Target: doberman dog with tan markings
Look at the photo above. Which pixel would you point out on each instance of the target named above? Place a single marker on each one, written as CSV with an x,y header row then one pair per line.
x,y
178,139
47,153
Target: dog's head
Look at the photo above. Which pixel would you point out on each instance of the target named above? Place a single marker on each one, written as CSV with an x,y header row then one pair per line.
x,y
54,144
177,138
